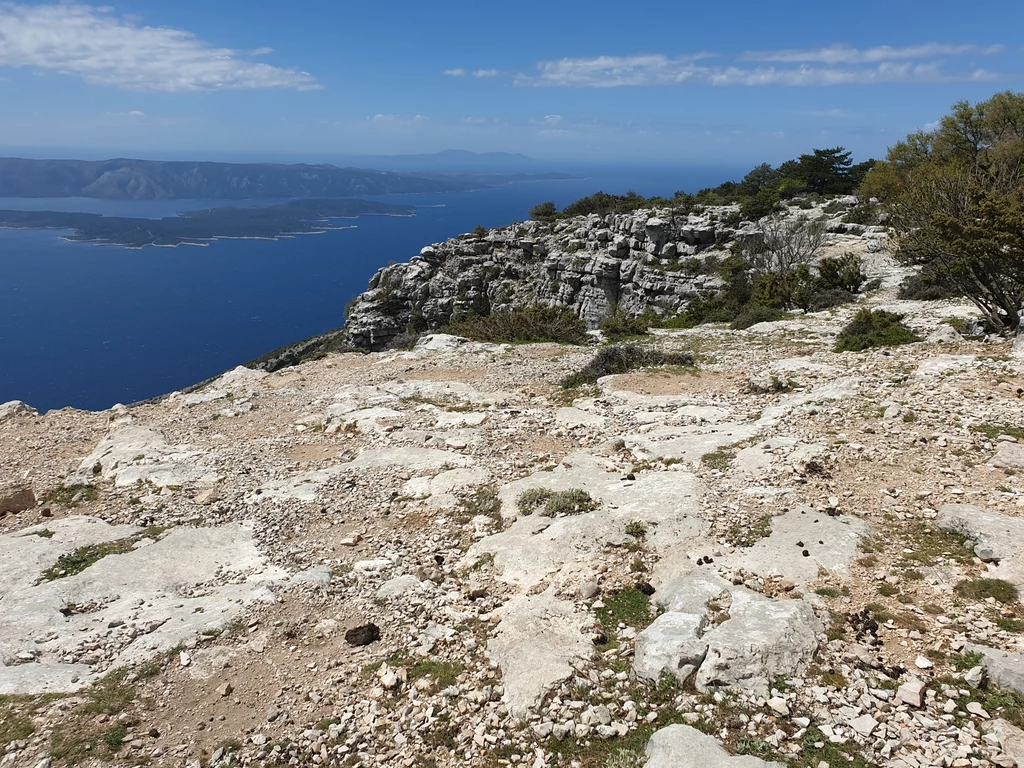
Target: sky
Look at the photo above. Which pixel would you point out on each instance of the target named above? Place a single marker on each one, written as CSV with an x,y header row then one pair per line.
x,y
674,82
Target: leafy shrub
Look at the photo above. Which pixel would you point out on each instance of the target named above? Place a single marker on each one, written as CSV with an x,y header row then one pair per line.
x,y
529,325
874,328
623,359
531,499
925,286
544,211
763,203
574,501
829,299
864,212
843,273
619,325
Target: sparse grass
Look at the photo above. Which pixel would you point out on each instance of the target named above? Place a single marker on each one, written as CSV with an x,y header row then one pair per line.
x,y
817,749
1010,625
719,459
887,590
992,431
72,563
630,607
980,589
483,501
15,725
623,359
44,533
444,673
445,405
65,494
749,533
930,543
874,328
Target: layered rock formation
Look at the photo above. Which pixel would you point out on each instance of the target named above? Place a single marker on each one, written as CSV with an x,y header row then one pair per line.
x,y
649,260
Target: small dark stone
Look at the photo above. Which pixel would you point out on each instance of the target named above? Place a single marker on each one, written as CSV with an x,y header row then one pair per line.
x,y
46,512
154,733
631,476
645,588
820,541
439,559
364,635
806,553
601,639
799,543
708,559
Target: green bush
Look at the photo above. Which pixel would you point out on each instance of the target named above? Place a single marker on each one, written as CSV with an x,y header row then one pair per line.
x,y
544,211
874,328
828,299
925,286
574,501
623,359
619,325
843,273
529,325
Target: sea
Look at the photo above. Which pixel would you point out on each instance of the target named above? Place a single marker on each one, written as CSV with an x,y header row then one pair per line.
x,y
89,326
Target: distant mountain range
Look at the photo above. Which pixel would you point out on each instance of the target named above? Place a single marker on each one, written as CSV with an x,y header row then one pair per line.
x,y
122,179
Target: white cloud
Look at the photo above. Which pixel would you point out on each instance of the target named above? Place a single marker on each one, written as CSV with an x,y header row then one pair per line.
x,y
90,42
845,54
137,114
486,73
455,72
658,69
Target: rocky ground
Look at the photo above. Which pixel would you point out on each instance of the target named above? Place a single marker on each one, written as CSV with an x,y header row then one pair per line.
x,y
774,553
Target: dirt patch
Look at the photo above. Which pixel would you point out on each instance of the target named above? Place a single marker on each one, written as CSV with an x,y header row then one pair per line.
x,y
674,383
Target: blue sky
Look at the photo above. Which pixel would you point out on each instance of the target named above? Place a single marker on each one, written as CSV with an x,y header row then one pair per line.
x,y
675,82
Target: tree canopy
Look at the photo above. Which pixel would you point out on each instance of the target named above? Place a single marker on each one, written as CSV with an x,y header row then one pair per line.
x,y
956,199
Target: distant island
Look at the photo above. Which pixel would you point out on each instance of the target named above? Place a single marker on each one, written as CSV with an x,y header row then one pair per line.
x,y
297,217
122,179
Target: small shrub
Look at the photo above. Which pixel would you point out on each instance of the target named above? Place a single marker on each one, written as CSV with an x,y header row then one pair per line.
x,y
981,589
574,501
964,661
636,529
65,494
843,273
623,359
720,459
532,499
926,287
480,231
529,325
823,300
619,325
544,211
874,328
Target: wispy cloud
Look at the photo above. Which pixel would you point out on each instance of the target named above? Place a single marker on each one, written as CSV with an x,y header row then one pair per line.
x,y
104,49
833,65
845,54
485,73
455,72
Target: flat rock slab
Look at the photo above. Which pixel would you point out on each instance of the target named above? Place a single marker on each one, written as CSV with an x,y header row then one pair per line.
x,y
303,486
537,642
1008,456
535,548
998,539
831,544
943,364
687,443
1005,669
575,417
839,389
410,458
682,746
136,604
132,453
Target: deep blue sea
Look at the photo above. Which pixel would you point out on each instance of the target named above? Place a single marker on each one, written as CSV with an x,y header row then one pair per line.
x,y
90,326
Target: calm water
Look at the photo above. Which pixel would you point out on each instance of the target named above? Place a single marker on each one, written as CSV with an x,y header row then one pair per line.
x,y
89,326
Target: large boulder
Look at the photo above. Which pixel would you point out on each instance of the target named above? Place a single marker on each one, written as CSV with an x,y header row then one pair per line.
x,y
680,746
15,497
1005,669
761,640
672,645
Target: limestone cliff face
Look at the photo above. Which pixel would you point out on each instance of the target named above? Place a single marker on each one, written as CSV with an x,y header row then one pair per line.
x,y
587,264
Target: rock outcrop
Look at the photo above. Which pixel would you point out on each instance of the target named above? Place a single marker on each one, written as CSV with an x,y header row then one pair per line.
x,y
649,260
